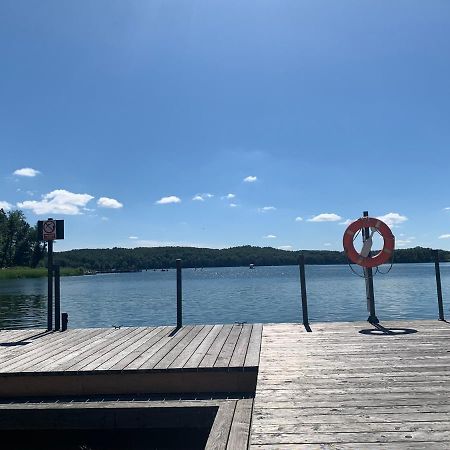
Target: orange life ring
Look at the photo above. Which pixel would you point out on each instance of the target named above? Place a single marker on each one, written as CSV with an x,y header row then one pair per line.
x,y
381,257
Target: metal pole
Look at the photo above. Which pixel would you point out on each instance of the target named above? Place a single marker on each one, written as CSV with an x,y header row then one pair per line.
x,y
179,296
438,284
57,298
301,263
50,286
368,275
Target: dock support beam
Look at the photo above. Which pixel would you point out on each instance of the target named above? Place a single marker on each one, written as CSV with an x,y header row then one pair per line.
x,y
179,296
438,285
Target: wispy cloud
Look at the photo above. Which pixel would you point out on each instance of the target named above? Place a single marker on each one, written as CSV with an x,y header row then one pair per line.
x,y
26,172
405,241
346,222
327,244
250,179
133,237
167,200
299,219
228,197
393,219
233,205
285,247
270,236
202,197
325,217
267,209
444,236
447,209
59,201
105,202
5,206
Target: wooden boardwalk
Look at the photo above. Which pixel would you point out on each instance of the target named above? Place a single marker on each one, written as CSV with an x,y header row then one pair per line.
x,y
337,388
211,358
343,386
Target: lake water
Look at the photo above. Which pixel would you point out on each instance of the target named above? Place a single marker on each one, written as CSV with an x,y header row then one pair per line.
x,y
226,295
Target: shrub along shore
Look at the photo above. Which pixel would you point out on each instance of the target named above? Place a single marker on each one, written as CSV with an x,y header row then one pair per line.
x,y
12,273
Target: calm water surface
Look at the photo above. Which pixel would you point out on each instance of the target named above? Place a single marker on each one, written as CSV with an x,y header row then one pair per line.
x,y
226,295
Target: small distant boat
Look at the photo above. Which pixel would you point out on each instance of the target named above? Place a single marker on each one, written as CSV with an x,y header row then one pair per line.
x,y
251,266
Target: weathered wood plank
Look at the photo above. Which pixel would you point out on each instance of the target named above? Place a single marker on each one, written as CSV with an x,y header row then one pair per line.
x,y
254,346
224,357
190,349
240,350
220,431
203,348
213,352
169,344
177,349
240,427
143,349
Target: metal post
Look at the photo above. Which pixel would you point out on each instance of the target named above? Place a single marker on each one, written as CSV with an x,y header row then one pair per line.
x,y
50,286
301,263
64,321
438,284
368,275
57,298
179,296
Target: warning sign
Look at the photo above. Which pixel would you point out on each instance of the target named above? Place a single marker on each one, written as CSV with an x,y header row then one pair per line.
x,y
49,230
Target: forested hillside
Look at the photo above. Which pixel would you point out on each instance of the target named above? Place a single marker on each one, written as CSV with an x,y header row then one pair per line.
x,y
164,257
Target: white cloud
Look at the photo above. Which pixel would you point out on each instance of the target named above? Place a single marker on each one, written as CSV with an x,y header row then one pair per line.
x,y
267,208
133,237
393,219
270,236
105,219
327,244
5,206
444,236
447,209
202,197
285,247
404,242
325,217
229,196
26,172
105,202
59,201
346,222
299,219
167,200
233,205
250,179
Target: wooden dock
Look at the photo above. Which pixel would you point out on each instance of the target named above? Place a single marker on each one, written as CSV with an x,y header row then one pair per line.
x,y
340,388
343,386
98,361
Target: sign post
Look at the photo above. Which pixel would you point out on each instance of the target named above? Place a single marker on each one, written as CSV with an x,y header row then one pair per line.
x,y
48,231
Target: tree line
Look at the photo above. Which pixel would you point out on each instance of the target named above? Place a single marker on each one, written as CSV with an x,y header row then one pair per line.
x,y
20,246
164,257
19,243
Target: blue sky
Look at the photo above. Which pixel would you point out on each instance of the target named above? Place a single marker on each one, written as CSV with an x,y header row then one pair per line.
x,y
300,109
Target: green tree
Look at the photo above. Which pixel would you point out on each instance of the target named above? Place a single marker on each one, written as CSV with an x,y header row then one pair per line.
x,y
19,244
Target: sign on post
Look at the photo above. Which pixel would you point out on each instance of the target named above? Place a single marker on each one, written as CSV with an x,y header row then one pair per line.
x,y
50,230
